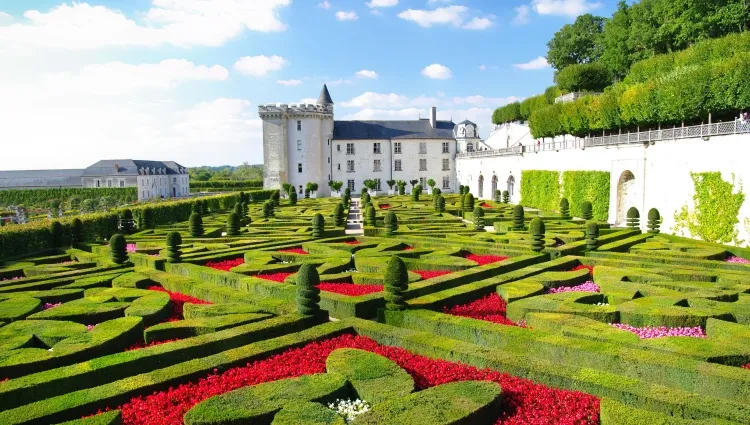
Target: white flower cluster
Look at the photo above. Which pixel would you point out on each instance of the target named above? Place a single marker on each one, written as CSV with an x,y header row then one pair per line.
x,y
602,304
348,409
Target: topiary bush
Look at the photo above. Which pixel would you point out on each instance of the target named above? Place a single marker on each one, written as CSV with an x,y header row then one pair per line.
x,y
118,248
365,197
337,215
391,223
245,212
307,193
479,218
346,200
76,232
564,209
654,221
308,293
56,233
537,230
204,207
506,197
440,204
126,221
498,195
293,198
276,198
396,280
370,215
592,235
518,217
318,226
174,240
238,209
147,218
415,191
436,192
197,207
402,189
587,210
633,218
461,200
348,192
267,209
469,202
196,225
233,224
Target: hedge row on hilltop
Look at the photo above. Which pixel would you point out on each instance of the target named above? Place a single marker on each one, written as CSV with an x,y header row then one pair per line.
x,y
543,189
227,184
43,196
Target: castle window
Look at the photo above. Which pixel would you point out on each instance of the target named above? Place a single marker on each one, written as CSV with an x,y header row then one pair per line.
x,y
376,147
350,148
338,147
422,165
299,167
446,147
397,165
422,147
339,167
446,182
397,147
376,166
377,185
122,183
350,166
299,125
299,145
446,164
98,183
469,147
350,185
109,183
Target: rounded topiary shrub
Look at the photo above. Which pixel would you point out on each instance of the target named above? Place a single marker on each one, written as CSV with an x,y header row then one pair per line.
x,y
245,211
292,198
587,210
478,218
276,198
440,204
348,192
365,197
233,224
402,189
308,293
592,235
391,223
56,233
267,209
537,230
338,214
318,225
436,192
197,207
118,248
461,200
469,202
506,197
370,215
498,196
126,221
518,217
238,209
76,232
196,225
633,218
147,218
174,240
564,209
654,221
415,192
396,280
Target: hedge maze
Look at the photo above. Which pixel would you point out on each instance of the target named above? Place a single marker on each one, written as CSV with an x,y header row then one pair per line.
x,y
269,312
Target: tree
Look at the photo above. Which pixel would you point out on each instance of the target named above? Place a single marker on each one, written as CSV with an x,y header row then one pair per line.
x,y
288,188
564,209
174,240
118,248
147,218
74,203
617,54
318,226
292,198
478,218
390,184
233,224
371,184
583,78
580,42
518,217
275,198
196,225
536,230
431,183
440,206
308,293
396,281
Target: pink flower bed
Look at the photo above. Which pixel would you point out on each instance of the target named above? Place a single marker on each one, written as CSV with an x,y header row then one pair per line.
x,y
490,308
48,306
429,274
275,277
130,247
350,289
11,278
225,265
584,287
485,259
661,331
294,251
737,260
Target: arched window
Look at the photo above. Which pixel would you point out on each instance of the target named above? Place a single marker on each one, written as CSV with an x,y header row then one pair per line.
x,y
469,147
494,186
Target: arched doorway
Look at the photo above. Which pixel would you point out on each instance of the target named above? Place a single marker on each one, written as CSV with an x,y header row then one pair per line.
x,y
480,193
626,196
494,186
511,185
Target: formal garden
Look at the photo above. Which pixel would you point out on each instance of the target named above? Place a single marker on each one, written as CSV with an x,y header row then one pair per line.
x,y
231,311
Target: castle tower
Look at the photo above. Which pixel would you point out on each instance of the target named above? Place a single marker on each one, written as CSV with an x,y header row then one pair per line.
x,y
467,136
296,143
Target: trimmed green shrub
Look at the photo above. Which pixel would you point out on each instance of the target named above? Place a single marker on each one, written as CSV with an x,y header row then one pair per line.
x,y
654,221
370,215
396,281
518,217
307,193
308,293
540,189
440,204
593,186
174,240
508,113
461,200
583,77
233,224
267,209
537,230
198,207
391,223
205,209
196,225
586,210
118,249
245,212
276,198
497,196
478,218
338,214
307,413
564,209
243,197
126,221
56,233
76,231
435,192
633,218
147,218
592,235
346,200
238,209
375,378
293,198
506,197
415,192
348,192
469,202
365,196
402,189
318,226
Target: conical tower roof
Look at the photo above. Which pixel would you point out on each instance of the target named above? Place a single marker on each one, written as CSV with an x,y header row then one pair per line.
x,y
325,97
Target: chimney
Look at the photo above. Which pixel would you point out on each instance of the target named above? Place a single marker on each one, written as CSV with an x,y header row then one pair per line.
x,y
433,117
117,168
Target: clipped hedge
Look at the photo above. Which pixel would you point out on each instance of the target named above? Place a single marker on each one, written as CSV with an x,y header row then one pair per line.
x,y
540,189
592,186
43,196
227,184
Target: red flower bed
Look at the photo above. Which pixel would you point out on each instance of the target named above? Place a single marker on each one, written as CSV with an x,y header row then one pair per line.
x,y
485,205
178,301
354,242
747,366
350,289
276,277
581,267
385,206
429,274
141,344
490,308
225,265
485,259
407,248
524,402
294,251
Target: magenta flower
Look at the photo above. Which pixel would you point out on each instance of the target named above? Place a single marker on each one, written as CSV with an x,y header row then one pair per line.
x,y
661,331
130,247
48,306
737,260
588,286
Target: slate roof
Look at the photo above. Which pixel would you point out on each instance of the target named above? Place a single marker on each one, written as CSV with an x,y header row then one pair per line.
x,y
128,167
408,129
467,122
40,178
325,97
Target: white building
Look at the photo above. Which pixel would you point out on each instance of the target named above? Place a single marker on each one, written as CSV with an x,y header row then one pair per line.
x,y
303,143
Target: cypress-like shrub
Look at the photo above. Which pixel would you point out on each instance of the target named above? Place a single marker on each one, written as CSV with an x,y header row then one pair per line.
x,y
348,192
245,212
461,200
76,232
308,293
292,197
204,207
346,200
633,218
337,215
196,225
498,195
564,209
370,215
118,248
276,198
478,218
318,226
436,192
126,221
233,224
267,209
307,193
396,280
469,202
147,216
506,197
592,235
654,221
365,197
536,229
363,191
343,213
402,189
587,210
518,217
415,193
243,197
391,223
56,233
238,209
174,240
197,207
440,204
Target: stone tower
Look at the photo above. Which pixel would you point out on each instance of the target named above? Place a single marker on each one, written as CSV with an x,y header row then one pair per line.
x,y
467,136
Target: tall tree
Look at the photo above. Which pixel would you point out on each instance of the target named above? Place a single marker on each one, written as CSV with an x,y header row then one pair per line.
x,y
617,55
580,42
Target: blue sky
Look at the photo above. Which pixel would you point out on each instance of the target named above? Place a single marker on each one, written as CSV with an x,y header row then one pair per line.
x,y
181,79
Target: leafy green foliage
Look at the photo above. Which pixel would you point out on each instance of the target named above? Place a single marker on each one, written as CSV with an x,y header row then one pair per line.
x,y
375,378
56,233
370,215
198,207
540,189
196,225
126,221
174,240
654,221
276,198
42,197
577,43
587,210
531,104
318,226
146,219
390,183
506,197
583,77
537,230
396,280
308,293
338,215
118,249
293,198
508,113
268,209
468,202
76,231
440,205
233,224
582,186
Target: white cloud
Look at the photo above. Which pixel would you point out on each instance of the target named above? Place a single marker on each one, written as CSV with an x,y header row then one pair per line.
x,y
182,23
289,83
437,71
372,100
453,15
376,12
478,24
538,63
5,18
438,1
324,4
346,16
382,3
570,8
308,101
482,67
338,82
522,15
367,74
481,101
258,66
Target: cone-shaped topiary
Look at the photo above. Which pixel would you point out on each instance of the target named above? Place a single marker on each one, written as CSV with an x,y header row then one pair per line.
x,y
391,223
238,209
461,199
318,225
292,198
245,212
308,293
348,192
402,189
370,215
478,218
536,230
197,207
196,225
440,204
518,217
592,235
396,280
469,202
506,197
242,198
267,209
147,218
56,233
337,214
76,232
126,221
204,207
633,220
276,198
415,193
587,210
654,221
365,197
118,248
498,195
174,240
346,200
233,224
564,209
